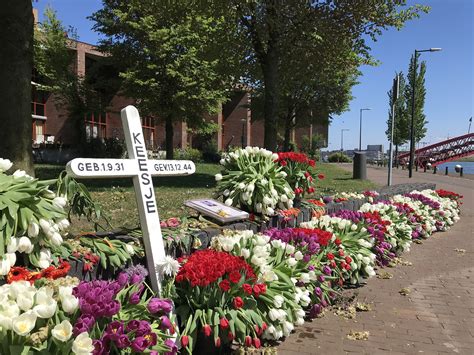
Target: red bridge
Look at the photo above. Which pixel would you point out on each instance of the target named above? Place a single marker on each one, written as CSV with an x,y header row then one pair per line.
x,y
442,152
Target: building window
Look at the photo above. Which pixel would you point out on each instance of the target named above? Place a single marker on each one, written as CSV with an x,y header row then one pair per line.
x,y
38,113
96,125
148,125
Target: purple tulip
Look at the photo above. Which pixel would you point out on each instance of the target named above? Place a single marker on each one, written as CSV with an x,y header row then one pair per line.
x,y
165,323
156,305
172,345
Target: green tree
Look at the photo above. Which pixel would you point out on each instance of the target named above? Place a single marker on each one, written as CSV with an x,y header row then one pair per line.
x,y
16,62
173,57
416,75
401,130
54,65
275,28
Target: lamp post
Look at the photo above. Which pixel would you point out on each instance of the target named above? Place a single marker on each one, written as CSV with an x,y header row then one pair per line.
x,y
469,129
342,138
412,130
360,127
242,138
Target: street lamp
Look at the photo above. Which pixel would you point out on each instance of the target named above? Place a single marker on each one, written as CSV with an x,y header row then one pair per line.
x,y
412,131
342,138
360,127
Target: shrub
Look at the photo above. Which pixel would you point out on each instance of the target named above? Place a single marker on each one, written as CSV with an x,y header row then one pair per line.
x,y
188,154
339,157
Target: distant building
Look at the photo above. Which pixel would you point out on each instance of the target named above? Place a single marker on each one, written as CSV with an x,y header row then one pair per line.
x,y
236,127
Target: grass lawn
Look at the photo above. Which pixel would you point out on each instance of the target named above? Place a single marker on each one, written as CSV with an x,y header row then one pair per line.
x,y
118,199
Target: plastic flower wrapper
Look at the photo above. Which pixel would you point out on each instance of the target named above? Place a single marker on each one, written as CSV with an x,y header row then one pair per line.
x,y
33,219
217,295
299,170
252,181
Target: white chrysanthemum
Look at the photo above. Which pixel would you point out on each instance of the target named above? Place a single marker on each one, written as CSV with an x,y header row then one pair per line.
x,y
169,266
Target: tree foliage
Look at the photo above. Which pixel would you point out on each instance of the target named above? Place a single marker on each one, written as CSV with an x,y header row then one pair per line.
x,y
401,130
308,41
172,57
417,75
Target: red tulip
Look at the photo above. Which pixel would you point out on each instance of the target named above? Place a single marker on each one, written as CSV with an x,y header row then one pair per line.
x,y
256,342
224,323
206,329
218,342
184,341
248,341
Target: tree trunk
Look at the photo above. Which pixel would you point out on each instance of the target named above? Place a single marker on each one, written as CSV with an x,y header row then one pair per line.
x,y
16,62
288,127
270,75
169,137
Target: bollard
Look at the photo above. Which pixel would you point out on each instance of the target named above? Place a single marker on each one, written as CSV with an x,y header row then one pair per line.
x,y
435,170
359,169
446,171
416,167
424,169
461,172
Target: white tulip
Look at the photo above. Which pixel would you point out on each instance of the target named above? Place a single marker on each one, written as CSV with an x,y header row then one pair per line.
x,y
62,331
292,261
48,194
278,301
129,249
5,267
218,177
304,277
267,200
264,182
5,165
19,287
82,345
24,323
229,202
56,239
274,156
245,253
287,328
45,226
13,245
273,314
69,303
11,257
25,300
283,174
45,304
354,227
290,249
21,173
43,263
33,230
222,161
59,202
63,224
299,255
258,207
269,211
250,187
241,186
284,198
24,244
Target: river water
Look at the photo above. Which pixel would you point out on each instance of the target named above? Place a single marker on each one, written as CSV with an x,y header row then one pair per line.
x,y
468,166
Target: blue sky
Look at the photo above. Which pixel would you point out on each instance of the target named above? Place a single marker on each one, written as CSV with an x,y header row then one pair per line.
x,y
449,76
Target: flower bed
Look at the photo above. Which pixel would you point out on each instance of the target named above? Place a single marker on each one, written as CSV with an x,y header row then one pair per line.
x,y
247,287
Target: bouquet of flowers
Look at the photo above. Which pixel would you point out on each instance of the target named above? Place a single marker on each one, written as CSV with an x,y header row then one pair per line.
x,y
251,180
298,168
32,219
217,295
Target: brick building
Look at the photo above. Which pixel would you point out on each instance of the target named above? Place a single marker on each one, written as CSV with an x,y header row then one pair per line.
x,y
234,119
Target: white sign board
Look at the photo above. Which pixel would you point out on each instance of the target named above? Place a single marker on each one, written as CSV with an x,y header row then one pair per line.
x,y
142,170
217,210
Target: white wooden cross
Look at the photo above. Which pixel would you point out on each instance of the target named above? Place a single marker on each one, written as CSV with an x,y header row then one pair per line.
x,y
142,170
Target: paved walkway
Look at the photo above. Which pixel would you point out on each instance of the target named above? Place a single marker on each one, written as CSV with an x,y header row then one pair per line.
x,y
435,317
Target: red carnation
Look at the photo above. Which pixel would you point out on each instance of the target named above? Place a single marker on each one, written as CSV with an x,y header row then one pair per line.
x,y
247,289
235,276
224,323
238,302
224,285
